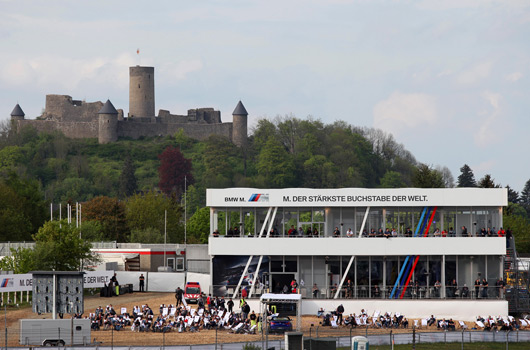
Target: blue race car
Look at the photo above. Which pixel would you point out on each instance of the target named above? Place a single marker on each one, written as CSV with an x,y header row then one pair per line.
x,y
280,324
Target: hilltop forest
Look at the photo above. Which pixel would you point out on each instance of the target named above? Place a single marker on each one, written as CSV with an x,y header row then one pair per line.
x,y
126,186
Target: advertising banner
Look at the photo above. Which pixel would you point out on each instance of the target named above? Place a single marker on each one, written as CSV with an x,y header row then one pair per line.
x,y
24,282
356,197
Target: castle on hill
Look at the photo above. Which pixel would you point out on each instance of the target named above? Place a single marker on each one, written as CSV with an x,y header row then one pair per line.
x,y
79,119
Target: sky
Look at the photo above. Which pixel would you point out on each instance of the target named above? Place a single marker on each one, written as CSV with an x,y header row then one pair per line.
x,y
449,79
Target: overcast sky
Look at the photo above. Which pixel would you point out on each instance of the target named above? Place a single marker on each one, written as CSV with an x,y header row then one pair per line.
x,y
449,79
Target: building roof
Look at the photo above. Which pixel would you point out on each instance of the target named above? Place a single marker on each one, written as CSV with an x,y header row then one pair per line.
x,y
108,108
17,111
240,109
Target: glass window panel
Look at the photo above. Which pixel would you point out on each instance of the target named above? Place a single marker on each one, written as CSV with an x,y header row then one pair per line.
x,y
248,222
291,221
362,277
348,220
221,221
318,215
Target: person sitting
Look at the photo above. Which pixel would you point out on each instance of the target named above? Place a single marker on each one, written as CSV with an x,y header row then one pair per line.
x,y
336,232
315,232
465,291
408,232
372,233
431,321
215,233
437,233
387,233
315,291
349,233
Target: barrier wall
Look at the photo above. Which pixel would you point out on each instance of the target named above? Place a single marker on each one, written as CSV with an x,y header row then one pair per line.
x,y
202,278
465,310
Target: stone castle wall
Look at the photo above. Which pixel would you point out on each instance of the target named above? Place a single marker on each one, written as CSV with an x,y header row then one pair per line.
x,y
63,108
75,130
136,130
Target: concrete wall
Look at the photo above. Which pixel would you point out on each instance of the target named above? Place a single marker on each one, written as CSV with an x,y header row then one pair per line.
x,y
154,281
464,246
464,310
197,258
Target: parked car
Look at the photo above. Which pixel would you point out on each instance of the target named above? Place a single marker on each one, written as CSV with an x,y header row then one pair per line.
x,y
280,324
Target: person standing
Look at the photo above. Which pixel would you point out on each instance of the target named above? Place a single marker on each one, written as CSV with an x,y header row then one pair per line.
x,y
142,282
477,288
230,305
340,311
294,286
178,296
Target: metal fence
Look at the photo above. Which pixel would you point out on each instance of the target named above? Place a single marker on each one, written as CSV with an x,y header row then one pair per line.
x,y
341,339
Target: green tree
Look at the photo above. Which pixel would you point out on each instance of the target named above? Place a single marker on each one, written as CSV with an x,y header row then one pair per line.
x,y
220,161
319,172
110,213
513,195
147,210
487,182
14,225
146,235
275,166
58,247
426,177
128,183
466,177
34,207
524,199
199,225
93,231
22,260
392,179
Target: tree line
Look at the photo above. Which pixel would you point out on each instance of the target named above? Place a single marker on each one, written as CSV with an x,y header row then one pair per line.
x,y
127,186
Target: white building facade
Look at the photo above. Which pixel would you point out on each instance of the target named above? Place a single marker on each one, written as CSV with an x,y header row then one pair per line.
x,y
420,248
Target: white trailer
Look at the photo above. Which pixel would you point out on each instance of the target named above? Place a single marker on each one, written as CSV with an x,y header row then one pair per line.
x,y
48,332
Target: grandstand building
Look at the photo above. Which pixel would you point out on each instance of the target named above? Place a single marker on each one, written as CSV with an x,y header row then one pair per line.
x,y
410,250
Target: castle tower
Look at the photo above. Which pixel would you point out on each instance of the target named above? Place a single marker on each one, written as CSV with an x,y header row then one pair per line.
x,y
239,125
141,91
108,123
18,113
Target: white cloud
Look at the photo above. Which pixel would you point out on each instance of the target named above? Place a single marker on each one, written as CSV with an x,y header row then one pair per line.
x,y
470,4
488,130
182,68
404,111
63,73
476,73
513,77
485,167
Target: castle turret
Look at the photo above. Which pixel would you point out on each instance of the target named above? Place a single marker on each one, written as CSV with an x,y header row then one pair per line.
x,y
108,123
18,113
141,91
239,125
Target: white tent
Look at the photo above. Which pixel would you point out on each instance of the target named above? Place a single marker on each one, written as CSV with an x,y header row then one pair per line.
x,y
273,299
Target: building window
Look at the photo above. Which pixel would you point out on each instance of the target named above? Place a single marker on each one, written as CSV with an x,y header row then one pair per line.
x,y
171,263
180,264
